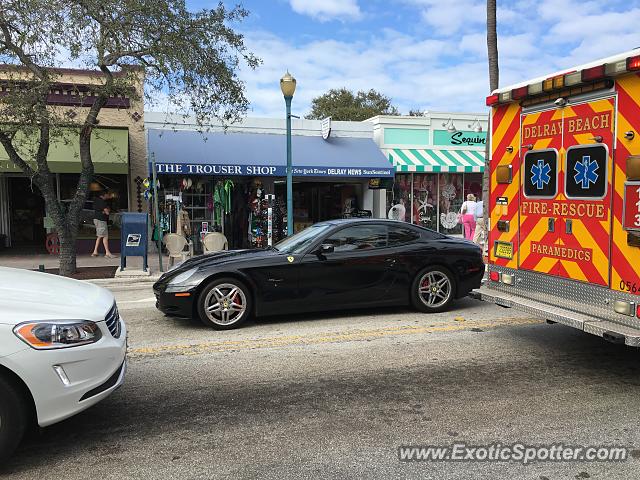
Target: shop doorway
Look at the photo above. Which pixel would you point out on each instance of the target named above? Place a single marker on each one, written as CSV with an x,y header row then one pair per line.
x,y
27,212
318,201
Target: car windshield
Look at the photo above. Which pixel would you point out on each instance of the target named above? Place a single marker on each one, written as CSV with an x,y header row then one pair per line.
x,y
300,241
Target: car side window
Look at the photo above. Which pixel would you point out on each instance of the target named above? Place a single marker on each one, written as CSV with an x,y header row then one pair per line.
x,y
402,236
358,238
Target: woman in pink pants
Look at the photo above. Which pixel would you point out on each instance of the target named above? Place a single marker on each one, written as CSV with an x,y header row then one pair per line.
x,y
467,211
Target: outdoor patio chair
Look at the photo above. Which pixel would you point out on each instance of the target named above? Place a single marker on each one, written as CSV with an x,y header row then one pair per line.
x,y
215,242
175,244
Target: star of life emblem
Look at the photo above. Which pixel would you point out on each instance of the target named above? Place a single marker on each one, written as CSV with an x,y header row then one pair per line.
x,y
540,174
586,172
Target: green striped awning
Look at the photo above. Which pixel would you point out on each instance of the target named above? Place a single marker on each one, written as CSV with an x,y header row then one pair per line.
x,y
436,160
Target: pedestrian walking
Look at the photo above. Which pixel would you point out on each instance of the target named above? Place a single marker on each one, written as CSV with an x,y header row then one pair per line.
x,y
101,212
468,216
480,237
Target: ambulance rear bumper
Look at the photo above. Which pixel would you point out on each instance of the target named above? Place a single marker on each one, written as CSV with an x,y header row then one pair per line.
x,y
608,330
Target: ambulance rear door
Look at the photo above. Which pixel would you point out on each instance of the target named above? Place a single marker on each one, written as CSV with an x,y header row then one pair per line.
x,y
583,210
541,144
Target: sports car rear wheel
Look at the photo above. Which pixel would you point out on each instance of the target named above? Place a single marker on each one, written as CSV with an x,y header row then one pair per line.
x,y
433,290
224,304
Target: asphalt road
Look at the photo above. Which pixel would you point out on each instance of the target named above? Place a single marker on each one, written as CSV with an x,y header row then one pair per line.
x,y
333,396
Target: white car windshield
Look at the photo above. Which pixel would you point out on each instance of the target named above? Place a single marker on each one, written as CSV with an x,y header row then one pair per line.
x,y
300,241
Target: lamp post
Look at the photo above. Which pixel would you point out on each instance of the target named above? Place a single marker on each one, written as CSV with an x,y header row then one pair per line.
x,y
288,87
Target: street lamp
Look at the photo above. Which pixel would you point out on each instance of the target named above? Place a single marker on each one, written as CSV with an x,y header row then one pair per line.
x,y
288,87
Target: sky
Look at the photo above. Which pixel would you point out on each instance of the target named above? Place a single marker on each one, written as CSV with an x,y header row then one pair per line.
x,y
424,54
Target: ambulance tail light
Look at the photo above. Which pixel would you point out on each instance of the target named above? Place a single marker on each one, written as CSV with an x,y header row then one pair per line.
x,y
518,93
633,63
505,97
494,276
593,73
535,88
572,79
492,100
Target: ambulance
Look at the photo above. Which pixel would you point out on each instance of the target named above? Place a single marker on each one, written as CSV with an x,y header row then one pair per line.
x,y
564,239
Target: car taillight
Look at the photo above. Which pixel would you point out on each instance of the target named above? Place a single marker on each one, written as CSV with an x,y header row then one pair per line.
x,y
638,311
494,276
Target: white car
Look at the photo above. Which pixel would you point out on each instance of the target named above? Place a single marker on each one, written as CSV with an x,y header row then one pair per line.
x,y
63,348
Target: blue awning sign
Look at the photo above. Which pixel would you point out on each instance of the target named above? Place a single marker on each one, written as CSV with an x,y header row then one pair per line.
x,y
246,154
267,171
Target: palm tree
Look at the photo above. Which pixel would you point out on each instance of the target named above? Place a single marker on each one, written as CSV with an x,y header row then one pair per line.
x,y
492,53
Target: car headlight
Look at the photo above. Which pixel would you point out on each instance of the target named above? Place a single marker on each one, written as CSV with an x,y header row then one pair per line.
x,y
183,277
58,334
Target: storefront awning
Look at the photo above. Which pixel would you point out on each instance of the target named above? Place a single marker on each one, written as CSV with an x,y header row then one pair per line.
x,y
186,152
109,152
436,160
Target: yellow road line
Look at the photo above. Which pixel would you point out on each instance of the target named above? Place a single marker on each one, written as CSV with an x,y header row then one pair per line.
x,y
332,337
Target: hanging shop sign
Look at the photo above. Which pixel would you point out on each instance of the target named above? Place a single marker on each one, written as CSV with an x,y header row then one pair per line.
x,y
269,170
459,138
326,128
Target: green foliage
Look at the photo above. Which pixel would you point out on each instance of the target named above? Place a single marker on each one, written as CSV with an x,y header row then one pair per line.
x,y
343,104
190,62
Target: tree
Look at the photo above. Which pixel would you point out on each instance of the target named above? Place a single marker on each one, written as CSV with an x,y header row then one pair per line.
x,y
343,104
190,58
494,77
416,112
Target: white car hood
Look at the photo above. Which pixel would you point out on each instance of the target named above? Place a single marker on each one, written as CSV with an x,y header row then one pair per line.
x,y
27,295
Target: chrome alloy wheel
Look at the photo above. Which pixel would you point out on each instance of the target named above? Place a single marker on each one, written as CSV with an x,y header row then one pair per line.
x,y
225,304
434,289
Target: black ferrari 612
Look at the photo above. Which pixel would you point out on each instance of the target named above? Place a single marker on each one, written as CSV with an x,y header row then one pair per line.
x,y
333,265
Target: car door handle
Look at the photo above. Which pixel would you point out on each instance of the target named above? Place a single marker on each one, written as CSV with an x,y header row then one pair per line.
x,y
275,280
391,261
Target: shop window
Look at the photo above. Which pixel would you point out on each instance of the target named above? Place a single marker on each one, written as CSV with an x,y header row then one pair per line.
x,y
402,236
360,237
425,206
541,173
473,185
451,199
401,204
586,171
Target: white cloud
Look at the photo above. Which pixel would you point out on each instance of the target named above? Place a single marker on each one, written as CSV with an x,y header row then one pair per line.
x,y
325,10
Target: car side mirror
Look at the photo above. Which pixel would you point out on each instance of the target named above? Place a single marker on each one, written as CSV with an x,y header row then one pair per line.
x,y
326,248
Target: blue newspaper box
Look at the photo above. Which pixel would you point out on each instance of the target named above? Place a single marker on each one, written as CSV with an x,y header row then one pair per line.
x,y
133,238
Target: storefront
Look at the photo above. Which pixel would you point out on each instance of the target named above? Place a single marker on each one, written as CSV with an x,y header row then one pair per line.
x,y
228,181
436,166
25,224
118,152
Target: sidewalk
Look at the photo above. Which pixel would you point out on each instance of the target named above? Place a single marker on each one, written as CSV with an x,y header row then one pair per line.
x,y
32,262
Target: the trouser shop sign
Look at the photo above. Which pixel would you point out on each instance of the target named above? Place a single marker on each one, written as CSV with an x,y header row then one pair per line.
x,y
270,171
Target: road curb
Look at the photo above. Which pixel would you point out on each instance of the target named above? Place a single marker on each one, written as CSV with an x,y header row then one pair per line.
x,y
135,283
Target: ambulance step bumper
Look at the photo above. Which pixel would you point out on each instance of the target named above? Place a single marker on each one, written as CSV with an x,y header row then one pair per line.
x,y
610,331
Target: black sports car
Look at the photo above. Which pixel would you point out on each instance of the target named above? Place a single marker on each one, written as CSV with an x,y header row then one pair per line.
x,y
331,265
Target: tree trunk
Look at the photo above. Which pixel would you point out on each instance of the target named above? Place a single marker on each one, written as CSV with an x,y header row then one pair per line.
x,y
67,253
494,74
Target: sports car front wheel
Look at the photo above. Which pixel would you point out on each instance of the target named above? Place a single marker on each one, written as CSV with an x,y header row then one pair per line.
x,y
433,289
224,303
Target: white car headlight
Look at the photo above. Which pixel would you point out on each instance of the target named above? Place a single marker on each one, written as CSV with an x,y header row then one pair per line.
x,y
183,277
48,335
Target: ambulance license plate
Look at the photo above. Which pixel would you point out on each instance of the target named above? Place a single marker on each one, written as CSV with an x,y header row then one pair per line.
x,y
503,250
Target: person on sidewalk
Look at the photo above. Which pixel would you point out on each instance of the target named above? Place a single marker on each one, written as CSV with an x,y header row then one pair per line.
x,y
480,237
101,212
468,216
